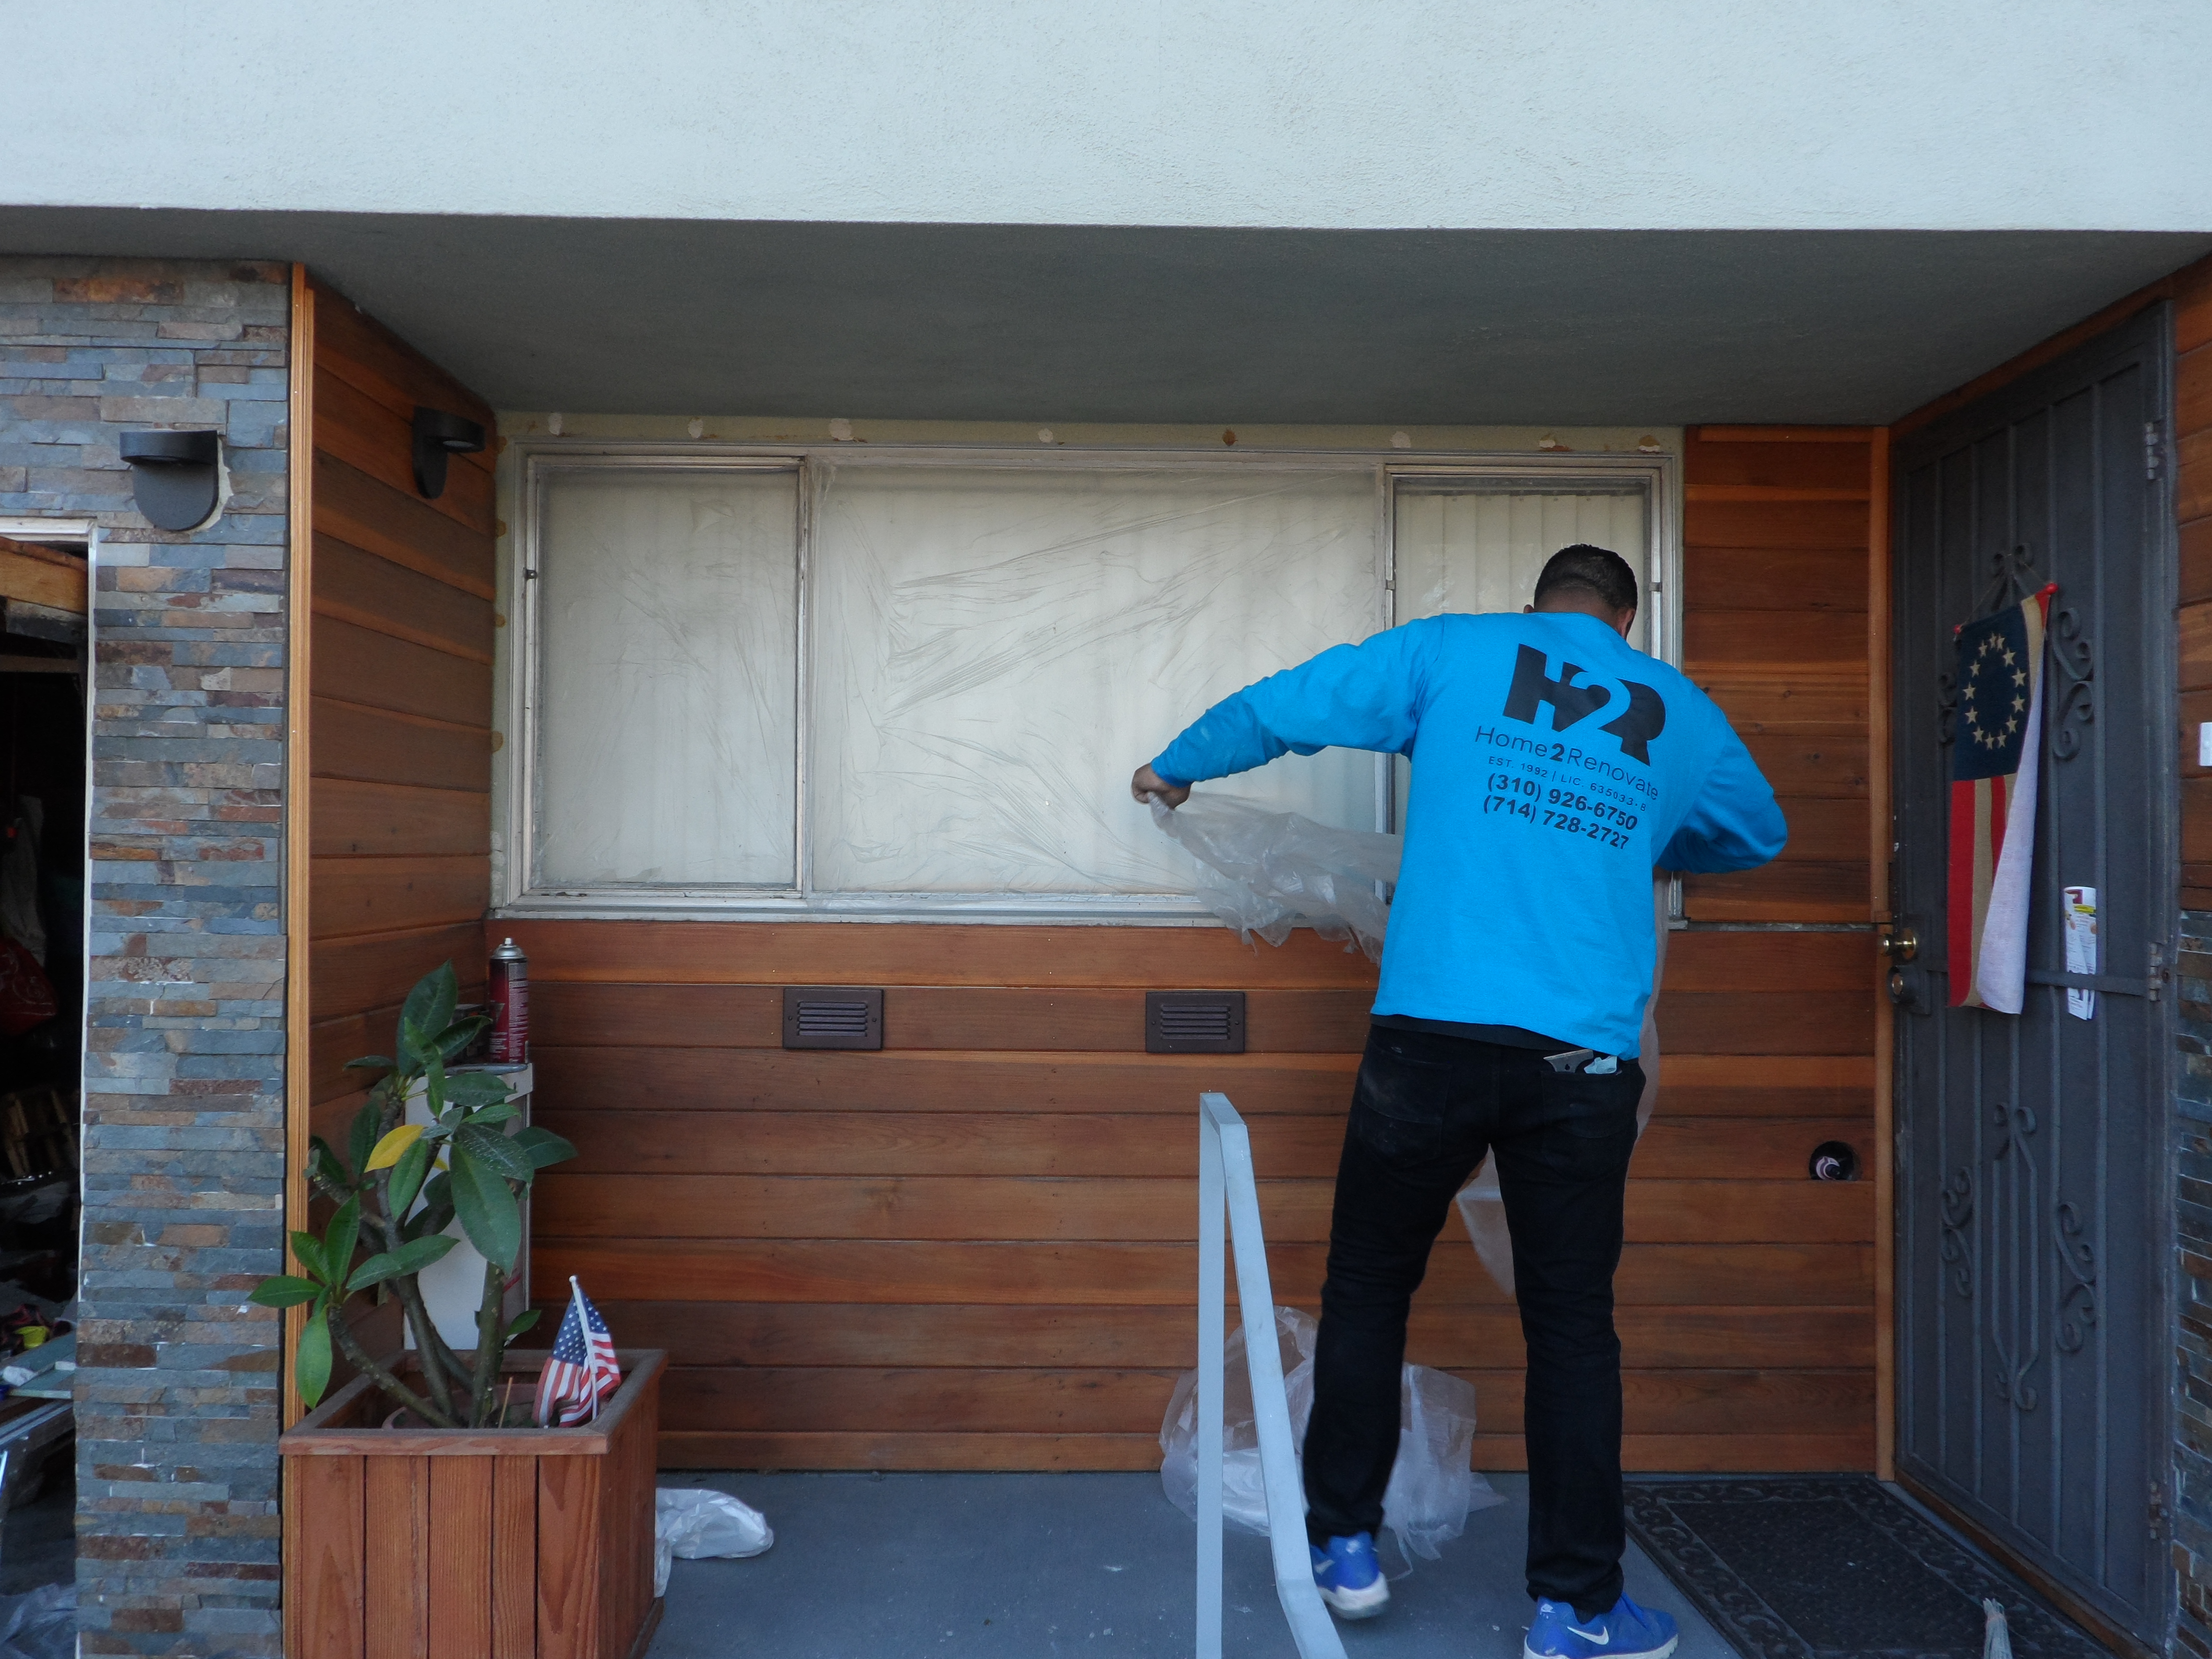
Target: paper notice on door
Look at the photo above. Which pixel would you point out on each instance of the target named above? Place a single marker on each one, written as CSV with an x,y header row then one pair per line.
x,y
2081,911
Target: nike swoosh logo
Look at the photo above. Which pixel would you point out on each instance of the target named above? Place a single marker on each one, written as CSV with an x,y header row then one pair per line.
x,y
1595,1638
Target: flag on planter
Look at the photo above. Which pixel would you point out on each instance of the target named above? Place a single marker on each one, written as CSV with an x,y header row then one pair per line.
x,y
1995,746
581,1372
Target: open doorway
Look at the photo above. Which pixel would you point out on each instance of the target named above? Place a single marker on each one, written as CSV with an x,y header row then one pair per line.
x,y
45,696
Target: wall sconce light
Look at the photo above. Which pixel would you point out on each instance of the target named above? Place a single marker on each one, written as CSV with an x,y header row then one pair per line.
x,y
438,434
175,476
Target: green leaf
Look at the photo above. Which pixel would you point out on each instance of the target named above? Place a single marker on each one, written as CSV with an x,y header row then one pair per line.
x,y
284,1290
431,1218
361,1137
495,1151
409,1258
490,1114
429,1006
313,1367
522,1322
542,1147
407,1174
454,1041
339,1241
477,1088
487,1209
438,1193
309,1249
371,1063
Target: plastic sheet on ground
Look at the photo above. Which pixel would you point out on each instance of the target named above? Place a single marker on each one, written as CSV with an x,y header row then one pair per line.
x,y
1266,871
40,1623
1432,1490
693,1522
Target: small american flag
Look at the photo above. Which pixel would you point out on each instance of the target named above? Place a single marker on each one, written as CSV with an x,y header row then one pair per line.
x,y
581,1371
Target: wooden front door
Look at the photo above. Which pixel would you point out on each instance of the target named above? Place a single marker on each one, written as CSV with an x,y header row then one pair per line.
x,y
2030,1324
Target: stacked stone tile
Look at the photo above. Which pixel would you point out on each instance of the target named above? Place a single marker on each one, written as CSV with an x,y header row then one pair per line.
x,y
177,1395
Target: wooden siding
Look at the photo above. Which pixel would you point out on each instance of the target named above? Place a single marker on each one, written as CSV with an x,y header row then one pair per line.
x,y
2193,459
397,832
975,1249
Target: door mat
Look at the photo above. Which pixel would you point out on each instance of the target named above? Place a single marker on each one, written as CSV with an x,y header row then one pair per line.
x,y
1826,1566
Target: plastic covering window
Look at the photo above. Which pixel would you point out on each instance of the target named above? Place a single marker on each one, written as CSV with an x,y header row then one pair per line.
x,y
668,678
996,648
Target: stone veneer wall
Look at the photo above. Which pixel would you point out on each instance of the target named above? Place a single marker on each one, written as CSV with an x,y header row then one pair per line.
x,y
177,1399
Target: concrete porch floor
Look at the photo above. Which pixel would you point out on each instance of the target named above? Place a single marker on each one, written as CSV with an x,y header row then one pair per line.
x,y
1031,1566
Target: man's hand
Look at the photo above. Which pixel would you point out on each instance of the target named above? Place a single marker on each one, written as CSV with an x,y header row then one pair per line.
x,y
1148,785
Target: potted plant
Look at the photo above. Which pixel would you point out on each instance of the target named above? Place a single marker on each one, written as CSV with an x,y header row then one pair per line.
x,y
422,1491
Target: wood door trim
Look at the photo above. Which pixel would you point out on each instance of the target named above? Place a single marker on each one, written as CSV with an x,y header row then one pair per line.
x,y
1881,835
300,542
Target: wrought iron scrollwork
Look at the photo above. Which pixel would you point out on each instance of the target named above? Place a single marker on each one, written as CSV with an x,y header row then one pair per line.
x,y
1956,1203
2075,658
2021,1348
2077,1301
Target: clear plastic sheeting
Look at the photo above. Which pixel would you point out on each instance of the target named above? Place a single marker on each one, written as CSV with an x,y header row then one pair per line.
x,y
696,1521
39,1623
994,648
1431,1492
667,678
1264,872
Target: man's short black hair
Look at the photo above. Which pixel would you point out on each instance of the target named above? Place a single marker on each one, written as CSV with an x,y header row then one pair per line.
x,y
1598,570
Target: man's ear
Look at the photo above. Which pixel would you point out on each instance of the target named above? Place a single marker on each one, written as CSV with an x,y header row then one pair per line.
x,y
1624,620
1527,610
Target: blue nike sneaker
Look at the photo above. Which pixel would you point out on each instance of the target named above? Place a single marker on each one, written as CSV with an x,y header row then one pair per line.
x,y
1350,1579
1627,1632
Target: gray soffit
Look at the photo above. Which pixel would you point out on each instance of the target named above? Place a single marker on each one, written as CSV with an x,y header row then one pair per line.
x,y
1085,324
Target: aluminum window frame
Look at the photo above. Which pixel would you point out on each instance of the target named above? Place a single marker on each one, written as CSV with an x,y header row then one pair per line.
x,y
538,458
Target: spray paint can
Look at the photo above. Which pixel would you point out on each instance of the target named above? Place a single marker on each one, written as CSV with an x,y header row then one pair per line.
x,y
510,1005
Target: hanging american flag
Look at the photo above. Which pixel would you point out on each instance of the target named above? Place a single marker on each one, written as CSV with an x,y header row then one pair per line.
x,y
580,1372
1997,743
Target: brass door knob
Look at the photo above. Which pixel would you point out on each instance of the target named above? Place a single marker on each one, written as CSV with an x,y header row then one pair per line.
x,y
1900,943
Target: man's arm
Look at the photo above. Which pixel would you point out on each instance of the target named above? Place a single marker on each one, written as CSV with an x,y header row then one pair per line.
x,y
1734,824
1350,697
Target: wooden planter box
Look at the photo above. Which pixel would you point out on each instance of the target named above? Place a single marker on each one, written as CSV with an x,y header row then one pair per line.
x,y
510,1543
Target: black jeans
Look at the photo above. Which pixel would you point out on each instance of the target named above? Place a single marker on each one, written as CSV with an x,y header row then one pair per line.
x,y
1425,1112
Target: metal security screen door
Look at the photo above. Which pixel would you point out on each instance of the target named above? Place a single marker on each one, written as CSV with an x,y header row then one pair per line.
x,y
2031,1325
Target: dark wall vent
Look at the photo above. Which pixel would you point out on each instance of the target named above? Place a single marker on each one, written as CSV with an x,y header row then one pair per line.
x,y
832,1017
1194,1022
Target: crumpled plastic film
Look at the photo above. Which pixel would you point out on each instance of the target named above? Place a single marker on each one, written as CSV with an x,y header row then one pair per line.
x,y
1432,1491
693,1522
1266,871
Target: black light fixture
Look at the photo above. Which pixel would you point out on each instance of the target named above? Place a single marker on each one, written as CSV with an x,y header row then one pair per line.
x,y
175,476
438,434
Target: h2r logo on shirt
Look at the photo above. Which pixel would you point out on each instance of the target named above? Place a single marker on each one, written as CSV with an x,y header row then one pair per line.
x,y
1644,717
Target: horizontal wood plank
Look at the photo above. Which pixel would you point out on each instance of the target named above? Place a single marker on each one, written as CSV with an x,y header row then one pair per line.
x,y
1779,525
348,817
352,343
394,522
852,1333
1754,701
373,592
1826,581
375,745
1100,1400
1827,767
1778,642
1841,464
843,1270
1826,1021
1796,890
360,666
365,434
818,953
893,1450
592,1205
349,896
376,970
1714,960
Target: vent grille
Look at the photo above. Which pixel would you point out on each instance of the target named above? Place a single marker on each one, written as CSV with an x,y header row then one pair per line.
x,y
1194,1022
832,1017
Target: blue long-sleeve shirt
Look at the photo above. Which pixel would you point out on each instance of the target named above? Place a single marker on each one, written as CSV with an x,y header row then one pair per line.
x,y
1554,766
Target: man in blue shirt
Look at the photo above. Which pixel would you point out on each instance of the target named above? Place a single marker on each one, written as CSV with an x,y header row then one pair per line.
x,y
1554,768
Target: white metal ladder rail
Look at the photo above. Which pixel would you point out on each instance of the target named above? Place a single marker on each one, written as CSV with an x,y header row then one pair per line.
x,y
1225,1178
